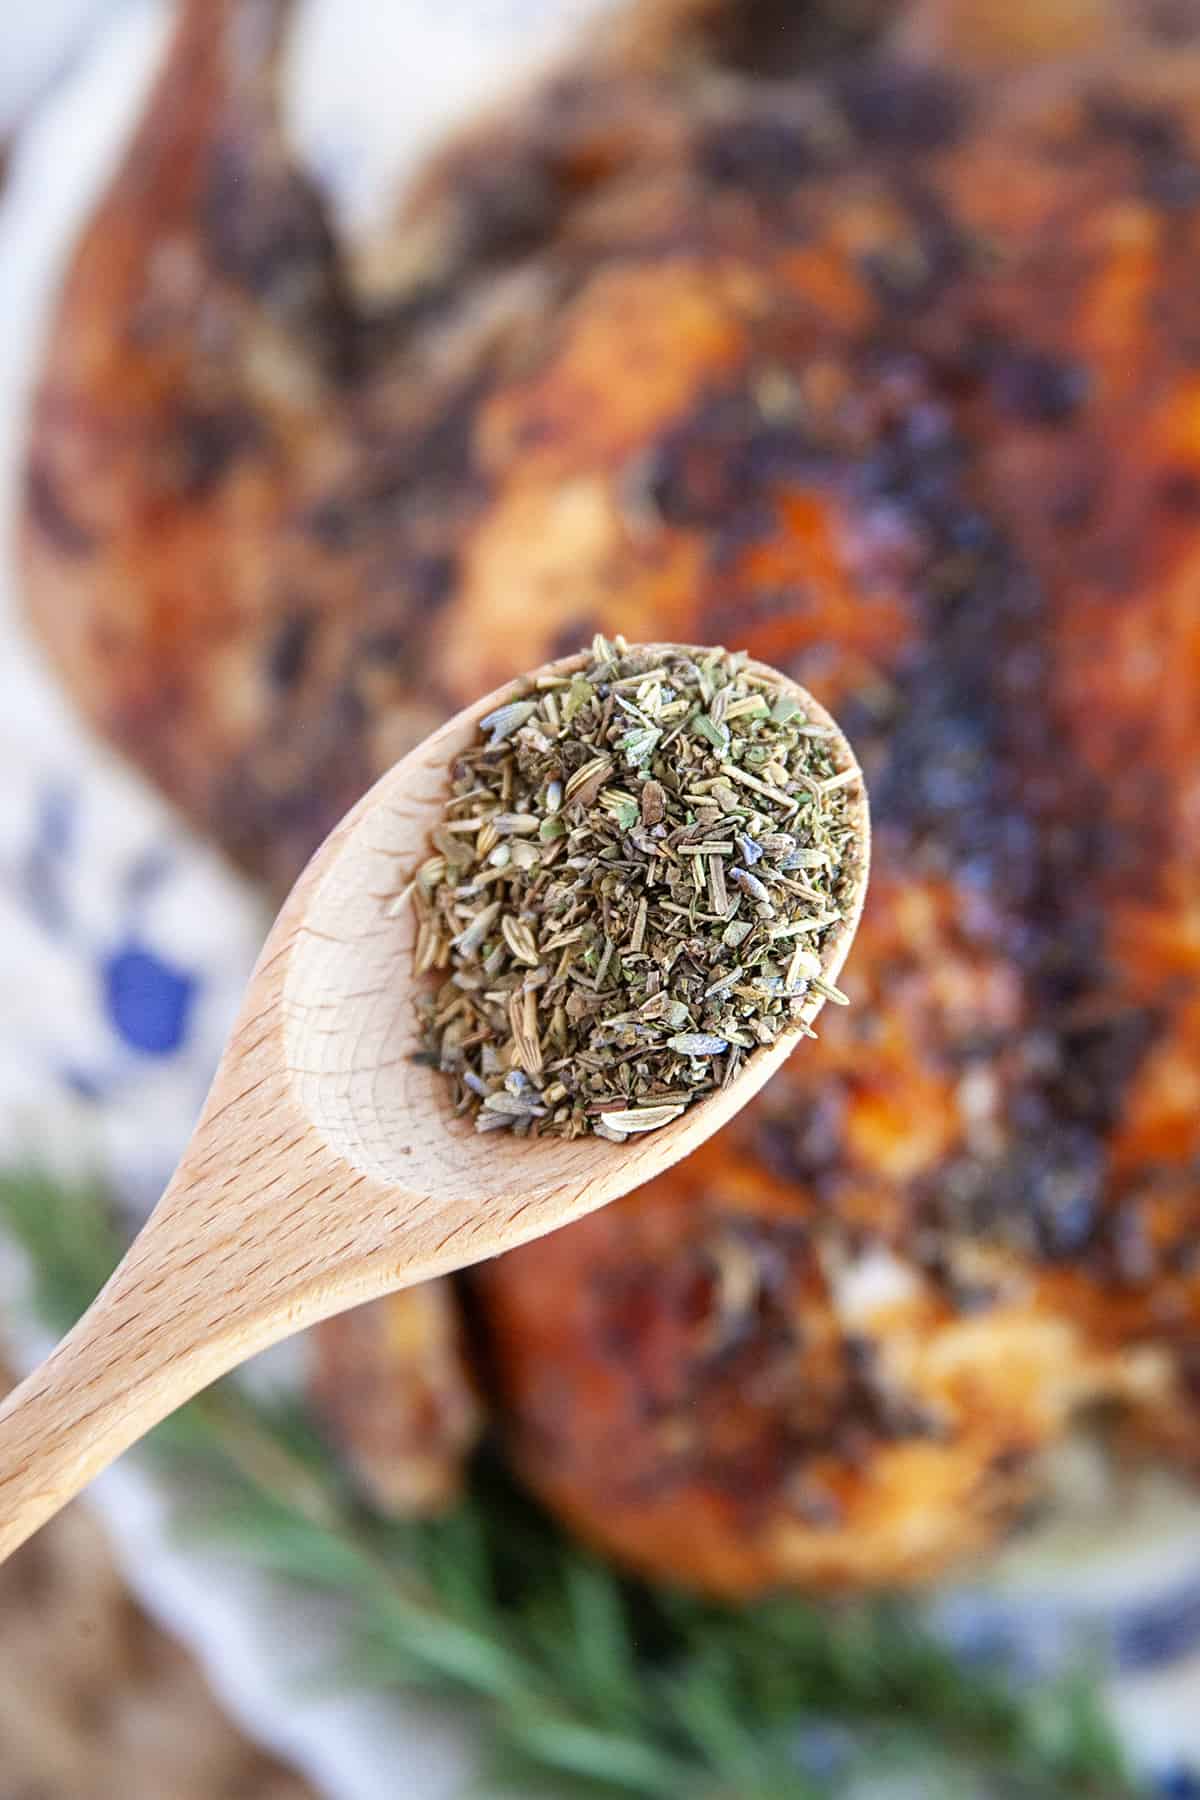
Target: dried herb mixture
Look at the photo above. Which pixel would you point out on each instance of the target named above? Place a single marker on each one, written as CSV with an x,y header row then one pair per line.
x,y
629,892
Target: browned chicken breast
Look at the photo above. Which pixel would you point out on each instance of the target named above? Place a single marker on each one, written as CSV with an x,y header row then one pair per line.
x,y
884,362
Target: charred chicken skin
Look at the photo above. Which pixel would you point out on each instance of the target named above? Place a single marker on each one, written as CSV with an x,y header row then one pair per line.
x,y
883,364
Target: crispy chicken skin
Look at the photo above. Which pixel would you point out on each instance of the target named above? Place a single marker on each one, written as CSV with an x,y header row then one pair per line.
x,y
883,364
393,1388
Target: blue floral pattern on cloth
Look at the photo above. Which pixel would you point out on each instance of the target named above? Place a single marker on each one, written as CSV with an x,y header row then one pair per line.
x,y
148,1001
1179,1784
146,996
124,949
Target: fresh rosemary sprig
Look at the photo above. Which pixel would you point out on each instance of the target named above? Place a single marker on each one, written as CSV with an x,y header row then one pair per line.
x,y
584,1684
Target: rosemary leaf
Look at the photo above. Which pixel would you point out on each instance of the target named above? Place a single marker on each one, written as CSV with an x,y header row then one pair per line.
x,y
586,1685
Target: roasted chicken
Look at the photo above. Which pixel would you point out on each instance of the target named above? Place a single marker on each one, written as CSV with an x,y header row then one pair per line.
x,y
873,348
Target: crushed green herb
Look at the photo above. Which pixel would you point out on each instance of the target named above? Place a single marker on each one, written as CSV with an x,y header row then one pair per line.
x,y
639,865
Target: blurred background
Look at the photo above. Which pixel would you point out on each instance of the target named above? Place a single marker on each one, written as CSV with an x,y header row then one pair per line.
x,y
754,323
95,1698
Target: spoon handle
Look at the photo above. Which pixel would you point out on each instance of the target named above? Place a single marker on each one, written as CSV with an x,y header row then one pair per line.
x,y
217,1273
167,1323
117,1373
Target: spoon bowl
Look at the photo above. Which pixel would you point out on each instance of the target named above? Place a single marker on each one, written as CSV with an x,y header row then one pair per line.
x,y
328,1165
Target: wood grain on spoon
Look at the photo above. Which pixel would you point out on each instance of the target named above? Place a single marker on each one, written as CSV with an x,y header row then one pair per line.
x,y
328,1166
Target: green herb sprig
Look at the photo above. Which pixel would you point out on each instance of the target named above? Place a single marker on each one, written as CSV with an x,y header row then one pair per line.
x,y
587,1686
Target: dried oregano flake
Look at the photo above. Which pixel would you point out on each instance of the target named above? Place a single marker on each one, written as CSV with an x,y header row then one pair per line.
x,y
629,890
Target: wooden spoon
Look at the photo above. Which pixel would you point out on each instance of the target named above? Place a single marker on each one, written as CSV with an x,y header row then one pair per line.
x,y
328,1167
